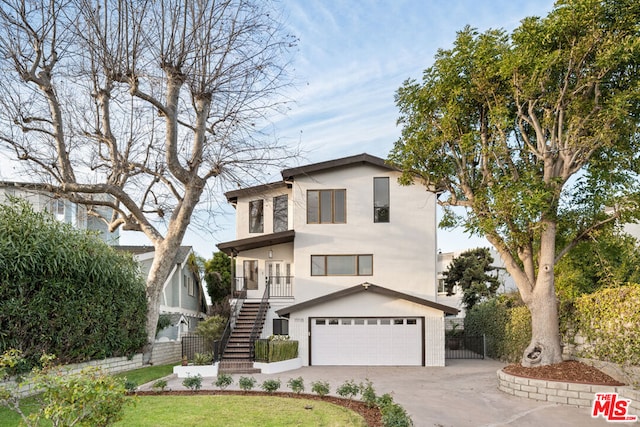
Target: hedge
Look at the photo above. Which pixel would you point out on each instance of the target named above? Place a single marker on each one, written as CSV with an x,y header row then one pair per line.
x,y
609,319
64,291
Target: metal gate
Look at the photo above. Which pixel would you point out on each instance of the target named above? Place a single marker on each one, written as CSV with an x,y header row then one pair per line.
x,y
465,347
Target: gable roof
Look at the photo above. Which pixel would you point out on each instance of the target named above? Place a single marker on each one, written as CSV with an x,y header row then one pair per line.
x,y
363,158
365,287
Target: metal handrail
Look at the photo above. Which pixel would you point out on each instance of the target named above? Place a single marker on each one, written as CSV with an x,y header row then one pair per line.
x,y
261,312
220,345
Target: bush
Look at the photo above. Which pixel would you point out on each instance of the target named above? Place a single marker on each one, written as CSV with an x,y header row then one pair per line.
x,y
393,415
65,291
130,385
246,383
275,350
321,388
223,381
193,383
296,385
212,328
610,320
90,397
203,358
348,389
369,394
270,386
506,324
160,385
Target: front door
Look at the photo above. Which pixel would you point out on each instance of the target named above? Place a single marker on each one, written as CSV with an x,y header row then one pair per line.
x,y
279,278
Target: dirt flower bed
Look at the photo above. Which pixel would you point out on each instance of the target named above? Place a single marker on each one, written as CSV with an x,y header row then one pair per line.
x,y
567,371
372,416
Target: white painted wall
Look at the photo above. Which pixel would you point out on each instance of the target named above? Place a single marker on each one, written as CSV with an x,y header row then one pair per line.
x,y
404,250
365,304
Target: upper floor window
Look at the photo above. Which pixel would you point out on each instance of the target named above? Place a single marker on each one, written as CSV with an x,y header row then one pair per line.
x,y
280,213
381,199
341,265
256,216
326,206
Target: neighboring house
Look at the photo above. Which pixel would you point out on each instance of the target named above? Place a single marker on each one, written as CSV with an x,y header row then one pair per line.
x,y
62,209
507,284
348,256
183,298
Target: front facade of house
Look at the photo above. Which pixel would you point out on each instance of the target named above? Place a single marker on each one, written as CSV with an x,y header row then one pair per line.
x,y
62,209
349,257
182,298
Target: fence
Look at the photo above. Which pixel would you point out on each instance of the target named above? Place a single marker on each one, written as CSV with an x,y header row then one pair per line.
x,y
465,347
192,344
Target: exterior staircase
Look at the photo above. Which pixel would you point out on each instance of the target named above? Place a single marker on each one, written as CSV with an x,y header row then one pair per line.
x,y
236,358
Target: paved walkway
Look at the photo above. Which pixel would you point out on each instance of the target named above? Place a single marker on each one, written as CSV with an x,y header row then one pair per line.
x,y
464,393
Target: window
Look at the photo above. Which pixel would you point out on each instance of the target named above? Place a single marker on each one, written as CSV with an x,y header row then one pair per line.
x,y
326,206
442,287
256,216
250,274
57,207
341,265
280,213
190,286
381,199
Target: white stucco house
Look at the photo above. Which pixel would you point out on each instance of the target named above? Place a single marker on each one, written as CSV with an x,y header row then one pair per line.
x,y
347,258
182,300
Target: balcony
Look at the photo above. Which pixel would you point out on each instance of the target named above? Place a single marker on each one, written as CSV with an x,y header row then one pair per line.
x,y
278,286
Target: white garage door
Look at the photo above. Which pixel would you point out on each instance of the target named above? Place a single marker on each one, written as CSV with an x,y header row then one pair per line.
x,y
373,341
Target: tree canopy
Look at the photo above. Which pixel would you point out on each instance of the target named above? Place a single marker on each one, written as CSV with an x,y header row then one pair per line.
x,y
534,133
217,274
147,107
471,272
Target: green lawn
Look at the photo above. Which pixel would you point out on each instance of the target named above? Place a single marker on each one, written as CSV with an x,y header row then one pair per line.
x,y
208,410
225,410
236,411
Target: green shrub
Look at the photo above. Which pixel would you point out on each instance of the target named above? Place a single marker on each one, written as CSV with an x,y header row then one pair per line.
x,y
247,383
193,383
90,397
369,394
130,386
321,388
164,321
348,389
270,386
276,350
212,328
160,385
296,385
203,358
610,320
393,415
506,324
65,291
223,381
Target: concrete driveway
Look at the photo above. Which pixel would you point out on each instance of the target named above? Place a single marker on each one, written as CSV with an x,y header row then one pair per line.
x,y
464,393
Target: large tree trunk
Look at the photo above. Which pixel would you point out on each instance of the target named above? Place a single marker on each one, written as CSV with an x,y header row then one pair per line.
x,y
545,348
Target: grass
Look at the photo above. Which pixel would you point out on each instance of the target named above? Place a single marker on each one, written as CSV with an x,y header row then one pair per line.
x,y
236,411
140,376
212,411
148,374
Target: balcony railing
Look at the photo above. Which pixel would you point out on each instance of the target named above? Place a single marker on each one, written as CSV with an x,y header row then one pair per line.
x,y
279,286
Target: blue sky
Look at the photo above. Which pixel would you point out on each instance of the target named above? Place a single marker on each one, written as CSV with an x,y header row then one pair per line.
x,y
352,57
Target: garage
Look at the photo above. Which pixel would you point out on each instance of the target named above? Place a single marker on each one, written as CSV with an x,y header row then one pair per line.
x,y
379,341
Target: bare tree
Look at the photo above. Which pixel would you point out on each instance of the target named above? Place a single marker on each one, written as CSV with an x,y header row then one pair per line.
x,y
142,106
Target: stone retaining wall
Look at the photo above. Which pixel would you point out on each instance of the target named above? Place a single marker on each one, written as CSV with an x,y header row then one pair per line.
x,y
167,353
575,394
